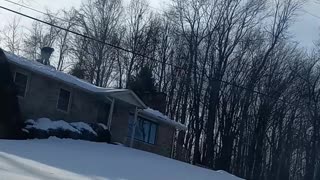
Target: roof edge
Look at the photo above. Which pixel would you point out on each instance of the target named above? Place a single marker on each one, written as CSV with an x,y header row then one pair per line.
x,y
130,92
168,121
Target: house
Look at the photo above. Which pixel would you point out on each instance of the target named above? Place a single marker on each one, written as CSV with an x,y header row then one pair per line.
x,y
46,92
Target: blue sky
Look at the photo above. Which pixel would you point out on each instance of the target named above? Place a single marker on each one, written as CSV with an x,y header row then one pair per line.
x,y
305,31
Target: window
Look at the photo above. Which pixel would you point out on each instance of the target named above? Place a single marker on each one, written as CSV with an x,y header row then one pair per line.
x,y
146,131
21,82
64,100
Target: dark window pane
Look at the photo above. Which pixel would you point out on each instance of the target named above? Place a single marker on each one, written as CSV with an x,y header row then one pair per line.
x,y
64,99
139,131
130,126
153,133
145,131
21,81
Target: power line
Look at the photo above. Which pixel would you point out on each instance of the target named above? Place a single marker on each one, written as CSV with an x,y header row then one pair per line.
x,y
316,16
35,10
130,51
82,35
61,19
27,7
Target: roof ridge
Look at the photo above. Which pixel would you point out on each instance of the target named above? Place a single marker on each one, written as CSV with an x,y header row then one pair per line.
x,y
50,72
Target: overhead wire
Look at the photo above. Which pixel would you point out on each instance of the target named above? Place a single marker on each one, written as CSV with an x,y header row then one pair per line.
x,y
132,52
30,8
311,14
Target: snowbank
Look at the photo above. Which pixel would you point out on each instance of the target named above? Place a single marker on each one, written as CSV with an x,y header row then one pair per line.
x,y
46,124
44,128
57,159
83,126
103,126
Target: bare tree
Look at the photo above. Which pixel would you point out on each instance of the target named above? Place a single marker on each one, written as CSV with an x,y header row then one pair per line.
x,y
248,95
63,42
100,20
138,18
12,36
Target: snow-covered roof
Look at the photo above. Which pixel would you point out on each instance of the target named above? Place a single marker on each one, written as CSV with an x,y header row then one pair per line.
x,y
121,94
58,75
157,115
50,72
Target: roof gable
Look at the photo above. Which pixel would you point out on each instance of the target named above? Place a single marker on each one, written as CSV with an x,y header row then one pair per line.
x,y
129,97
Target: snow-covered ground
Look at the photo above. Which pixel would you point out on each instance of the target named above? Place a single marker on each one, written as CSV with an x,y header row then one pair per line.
x,y
56,159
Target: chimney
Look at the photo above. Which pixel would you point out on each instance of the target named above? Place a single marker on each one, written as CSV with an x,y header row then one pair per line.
x,y
156,100
45,55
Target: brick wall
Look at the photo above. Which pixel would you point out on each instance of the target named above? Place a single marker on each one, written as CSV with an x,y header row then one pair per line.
x,y
120,121
163,144
119,131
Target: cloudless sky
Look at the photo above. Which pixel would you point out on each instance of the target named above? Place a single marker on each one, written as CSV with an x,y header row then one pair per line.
x,y
305,31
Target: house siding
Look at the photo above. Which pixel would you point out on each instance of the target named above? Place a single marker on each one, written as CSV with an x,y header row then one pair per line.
x,y
120,122
41,99
119,131
42,96
163,144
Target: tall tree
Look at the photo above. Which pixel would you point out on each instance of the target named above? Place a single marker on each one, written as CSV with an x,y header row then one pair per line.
x,y
12,36
143,82
100,20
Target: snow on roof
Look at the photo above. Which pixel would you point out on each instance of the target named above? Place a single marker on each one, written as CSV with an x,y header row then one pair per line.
x,y
58,75
162,118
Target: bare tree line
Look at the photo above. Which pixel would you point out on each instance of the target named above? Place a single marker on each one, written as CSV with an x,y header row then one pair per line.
x,y
249,95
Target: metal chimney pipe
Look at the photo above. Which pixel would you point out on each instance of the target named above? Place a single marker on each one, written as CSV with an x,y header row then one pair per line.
x,y
46,54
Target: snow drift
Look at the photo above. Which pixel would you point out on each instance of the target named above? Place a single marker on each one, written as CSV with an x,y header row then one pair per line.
x,y
44,128
57,159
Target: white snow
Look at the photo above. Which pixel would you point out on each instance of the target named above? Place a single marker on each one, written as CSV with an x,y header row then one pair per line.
x,y
46,124
30,121
25,130
163,118
56,159
83,126
103,126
